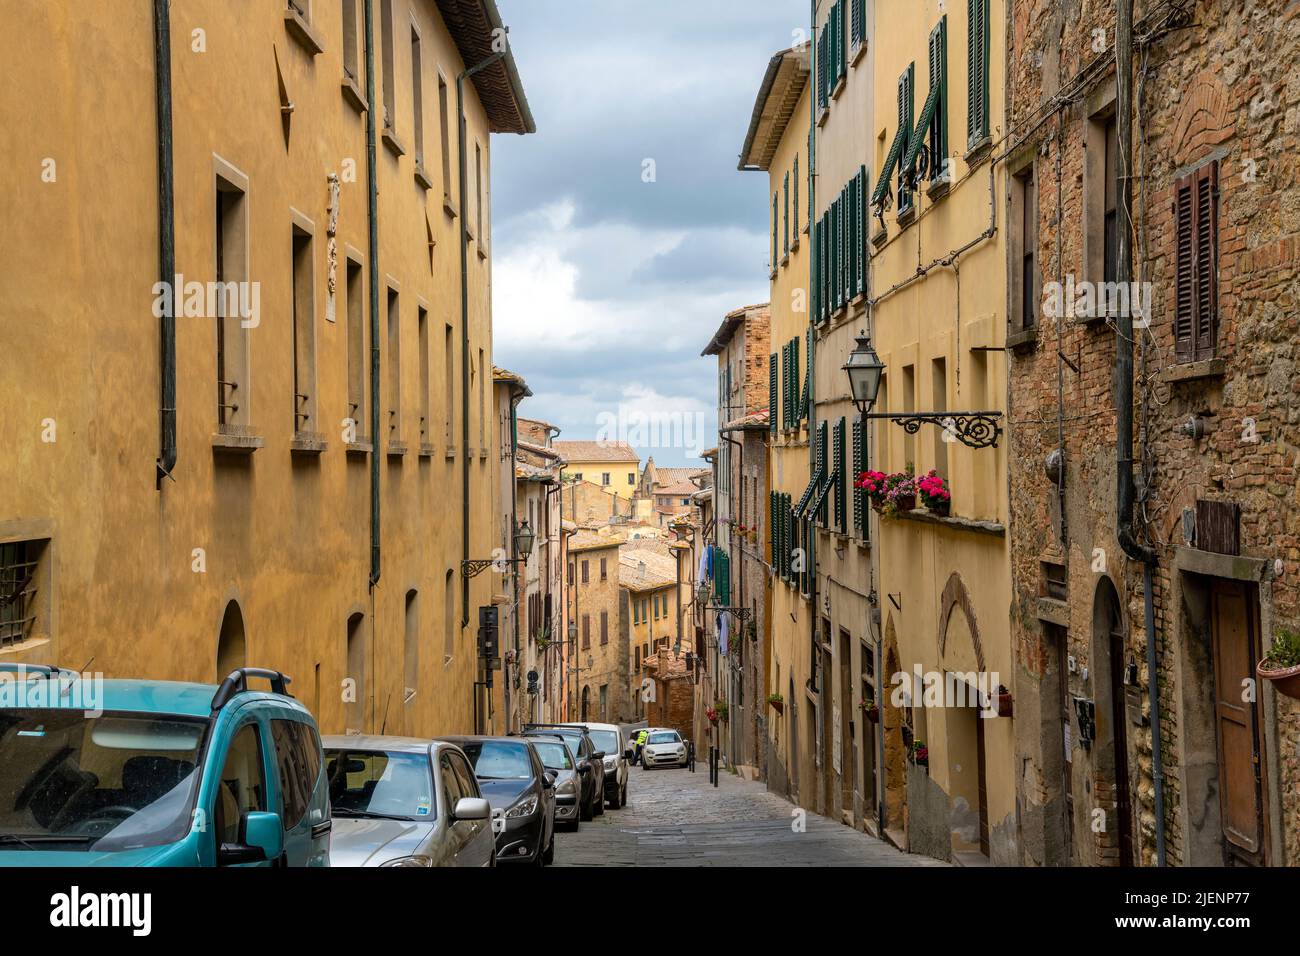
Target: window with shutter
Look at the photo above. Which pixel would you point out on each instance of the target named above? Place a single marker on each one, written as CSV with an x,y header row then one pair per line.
x,y
1196,318
808,376
794,203
858,26
785,216
906,107
774,225
796,399
822,466
860,212
771,393
977,72
841,500
821,69
939,85
859,466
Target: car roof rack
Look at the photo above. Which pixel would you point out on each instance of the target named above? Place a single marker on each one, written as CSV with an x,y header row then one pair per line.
x,y
582,727
236,682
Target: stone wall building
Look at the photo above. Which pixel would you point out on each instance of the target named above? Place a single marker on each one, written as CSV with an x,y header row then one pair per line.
x,y
613,465
598,657
198,475
649,580
1216,216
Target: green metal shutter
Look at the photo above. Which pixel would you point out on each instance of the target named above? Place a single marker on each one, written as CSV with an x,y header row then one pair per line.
x,y
806,406
771,393
977,71
796,404
859,466
794,204
785,216
864,224
822,451
774,225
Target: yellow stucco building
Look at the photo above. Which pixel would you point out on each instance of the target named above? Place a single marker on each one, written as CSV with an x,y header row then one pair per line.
x,y
937,314
777,144
290,476
614,466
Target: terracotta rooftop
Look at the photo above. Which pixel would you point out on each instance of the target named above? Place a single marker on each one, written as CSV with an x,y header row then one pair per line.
x,y
472,24
582,451
778,95
640,569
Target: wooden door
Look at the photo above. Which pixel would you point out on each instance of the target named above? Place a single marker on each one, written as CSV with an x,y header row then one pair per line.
x,y
981,779
1237,724
1119,731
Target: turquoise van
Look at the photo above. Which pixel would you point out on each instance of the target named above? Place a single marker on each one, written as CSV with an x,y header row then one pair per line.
x,y
158,773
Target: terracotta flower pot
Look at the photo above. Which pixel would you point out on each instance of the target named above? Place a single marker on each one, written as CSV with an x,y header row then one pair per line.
x,y
940,508
1285,680
777,705
907,503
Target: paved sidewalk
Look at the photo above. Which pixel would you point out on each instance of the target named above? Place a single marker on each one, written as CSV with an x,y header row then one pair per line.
x,y
675,818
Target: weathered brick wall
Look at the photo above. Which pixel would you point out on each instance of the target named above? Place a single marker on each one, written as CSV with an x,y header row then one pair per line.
x,y
1222,87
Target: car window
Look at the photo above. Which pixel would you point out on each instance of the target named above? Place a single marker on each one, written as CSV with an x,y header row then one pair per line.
x,y
242,786
380,783
555,756
104,782
451,784
298,760
468,785
606,740
498,760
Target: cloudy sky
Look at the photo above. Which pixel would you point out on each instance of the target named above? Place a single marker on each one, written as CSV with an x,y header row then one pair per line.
x,y
607,287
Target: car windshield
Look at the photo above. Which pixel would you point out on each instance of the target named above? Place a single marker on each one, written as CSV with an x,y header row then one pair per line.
x,y
69,781
498,760
574,740
555,756
668,738
383,784
605,740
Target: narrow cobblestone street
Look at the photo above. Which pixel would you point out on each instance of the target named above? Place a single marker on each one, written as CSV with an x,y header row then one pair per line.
x,y
675,818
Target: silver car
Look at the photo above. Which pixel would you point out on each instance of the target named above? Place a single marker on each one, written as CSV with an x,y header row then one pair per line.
x,y
402,801
557,758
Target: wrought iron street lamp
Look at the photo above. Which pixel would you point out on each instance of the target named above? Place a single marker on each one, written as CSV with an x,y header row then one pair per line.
x,y
524,539
864,368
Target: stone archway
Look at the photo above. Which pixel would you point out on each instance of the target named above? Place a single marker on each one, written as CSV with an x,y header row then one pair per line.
x,y
956,595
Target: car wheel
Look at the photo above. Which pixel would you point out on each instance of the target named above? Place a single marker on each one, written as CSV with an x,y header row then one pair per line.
x,y
549,856
599,808
585,812
614,802
623,795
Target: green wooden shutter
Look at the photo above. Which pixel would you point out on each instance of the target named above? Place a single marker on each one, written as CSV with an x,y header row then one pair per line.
x,y
864,225
794,205
859,466
939,80
785,216
771,393
822,454
840,472
905,119
771,528
796,403
977,71
806,407
774,226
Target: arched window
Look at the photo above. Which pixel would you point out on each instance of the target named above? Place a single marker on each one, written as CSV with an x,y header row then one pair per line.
x,y
232,648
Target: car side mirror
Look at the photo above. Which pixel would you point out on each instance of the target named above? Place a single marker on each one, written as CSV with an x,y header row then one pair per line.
x,y
471,808
263,840
598,755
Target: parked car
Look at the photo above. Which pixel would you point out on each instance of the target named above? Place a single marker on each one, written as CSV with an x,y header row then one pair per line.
x,y
511,776
609,739
160,773
591,763
556,756
635,737
663,748
401,801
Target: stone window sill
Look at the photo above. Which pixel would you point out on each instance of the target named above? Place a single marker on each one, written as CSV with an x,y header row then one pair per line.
x,y
427,450
358,449
937,189
979,151
1054,611
421,177
1022,340
392,142
397,449
307,443
1195,371
302,31
236,440
352,93
906,217
449,207
955,522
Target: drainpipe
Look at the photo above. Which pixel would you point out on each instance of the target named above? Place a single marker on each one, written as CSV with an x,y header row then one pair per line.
x,y
162,55
464,324
372,216
1125,491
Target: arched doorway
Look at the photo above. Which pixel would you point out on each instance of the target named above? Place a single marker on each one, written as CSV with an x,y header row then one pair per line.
x,y
232,646
1111,761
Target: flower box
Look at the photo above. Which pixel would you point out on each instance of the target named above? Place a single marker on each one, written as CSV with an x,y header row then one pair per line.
x,y
1281,667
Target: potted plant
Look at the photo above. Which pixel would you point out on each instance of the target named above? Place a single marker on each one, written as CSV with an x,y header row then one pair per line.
x,y
900,492
920,753
873,483
870,710
935,494
720,708
777,702
712,715
1281,665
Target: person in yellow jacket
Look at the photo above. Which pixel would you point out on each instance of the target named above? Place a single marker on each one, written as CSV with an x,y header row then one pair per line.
x,y
640,742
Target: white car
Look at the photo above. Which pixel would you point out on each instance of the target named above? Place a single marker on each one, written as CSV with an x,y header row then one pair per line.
x,y
663,748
